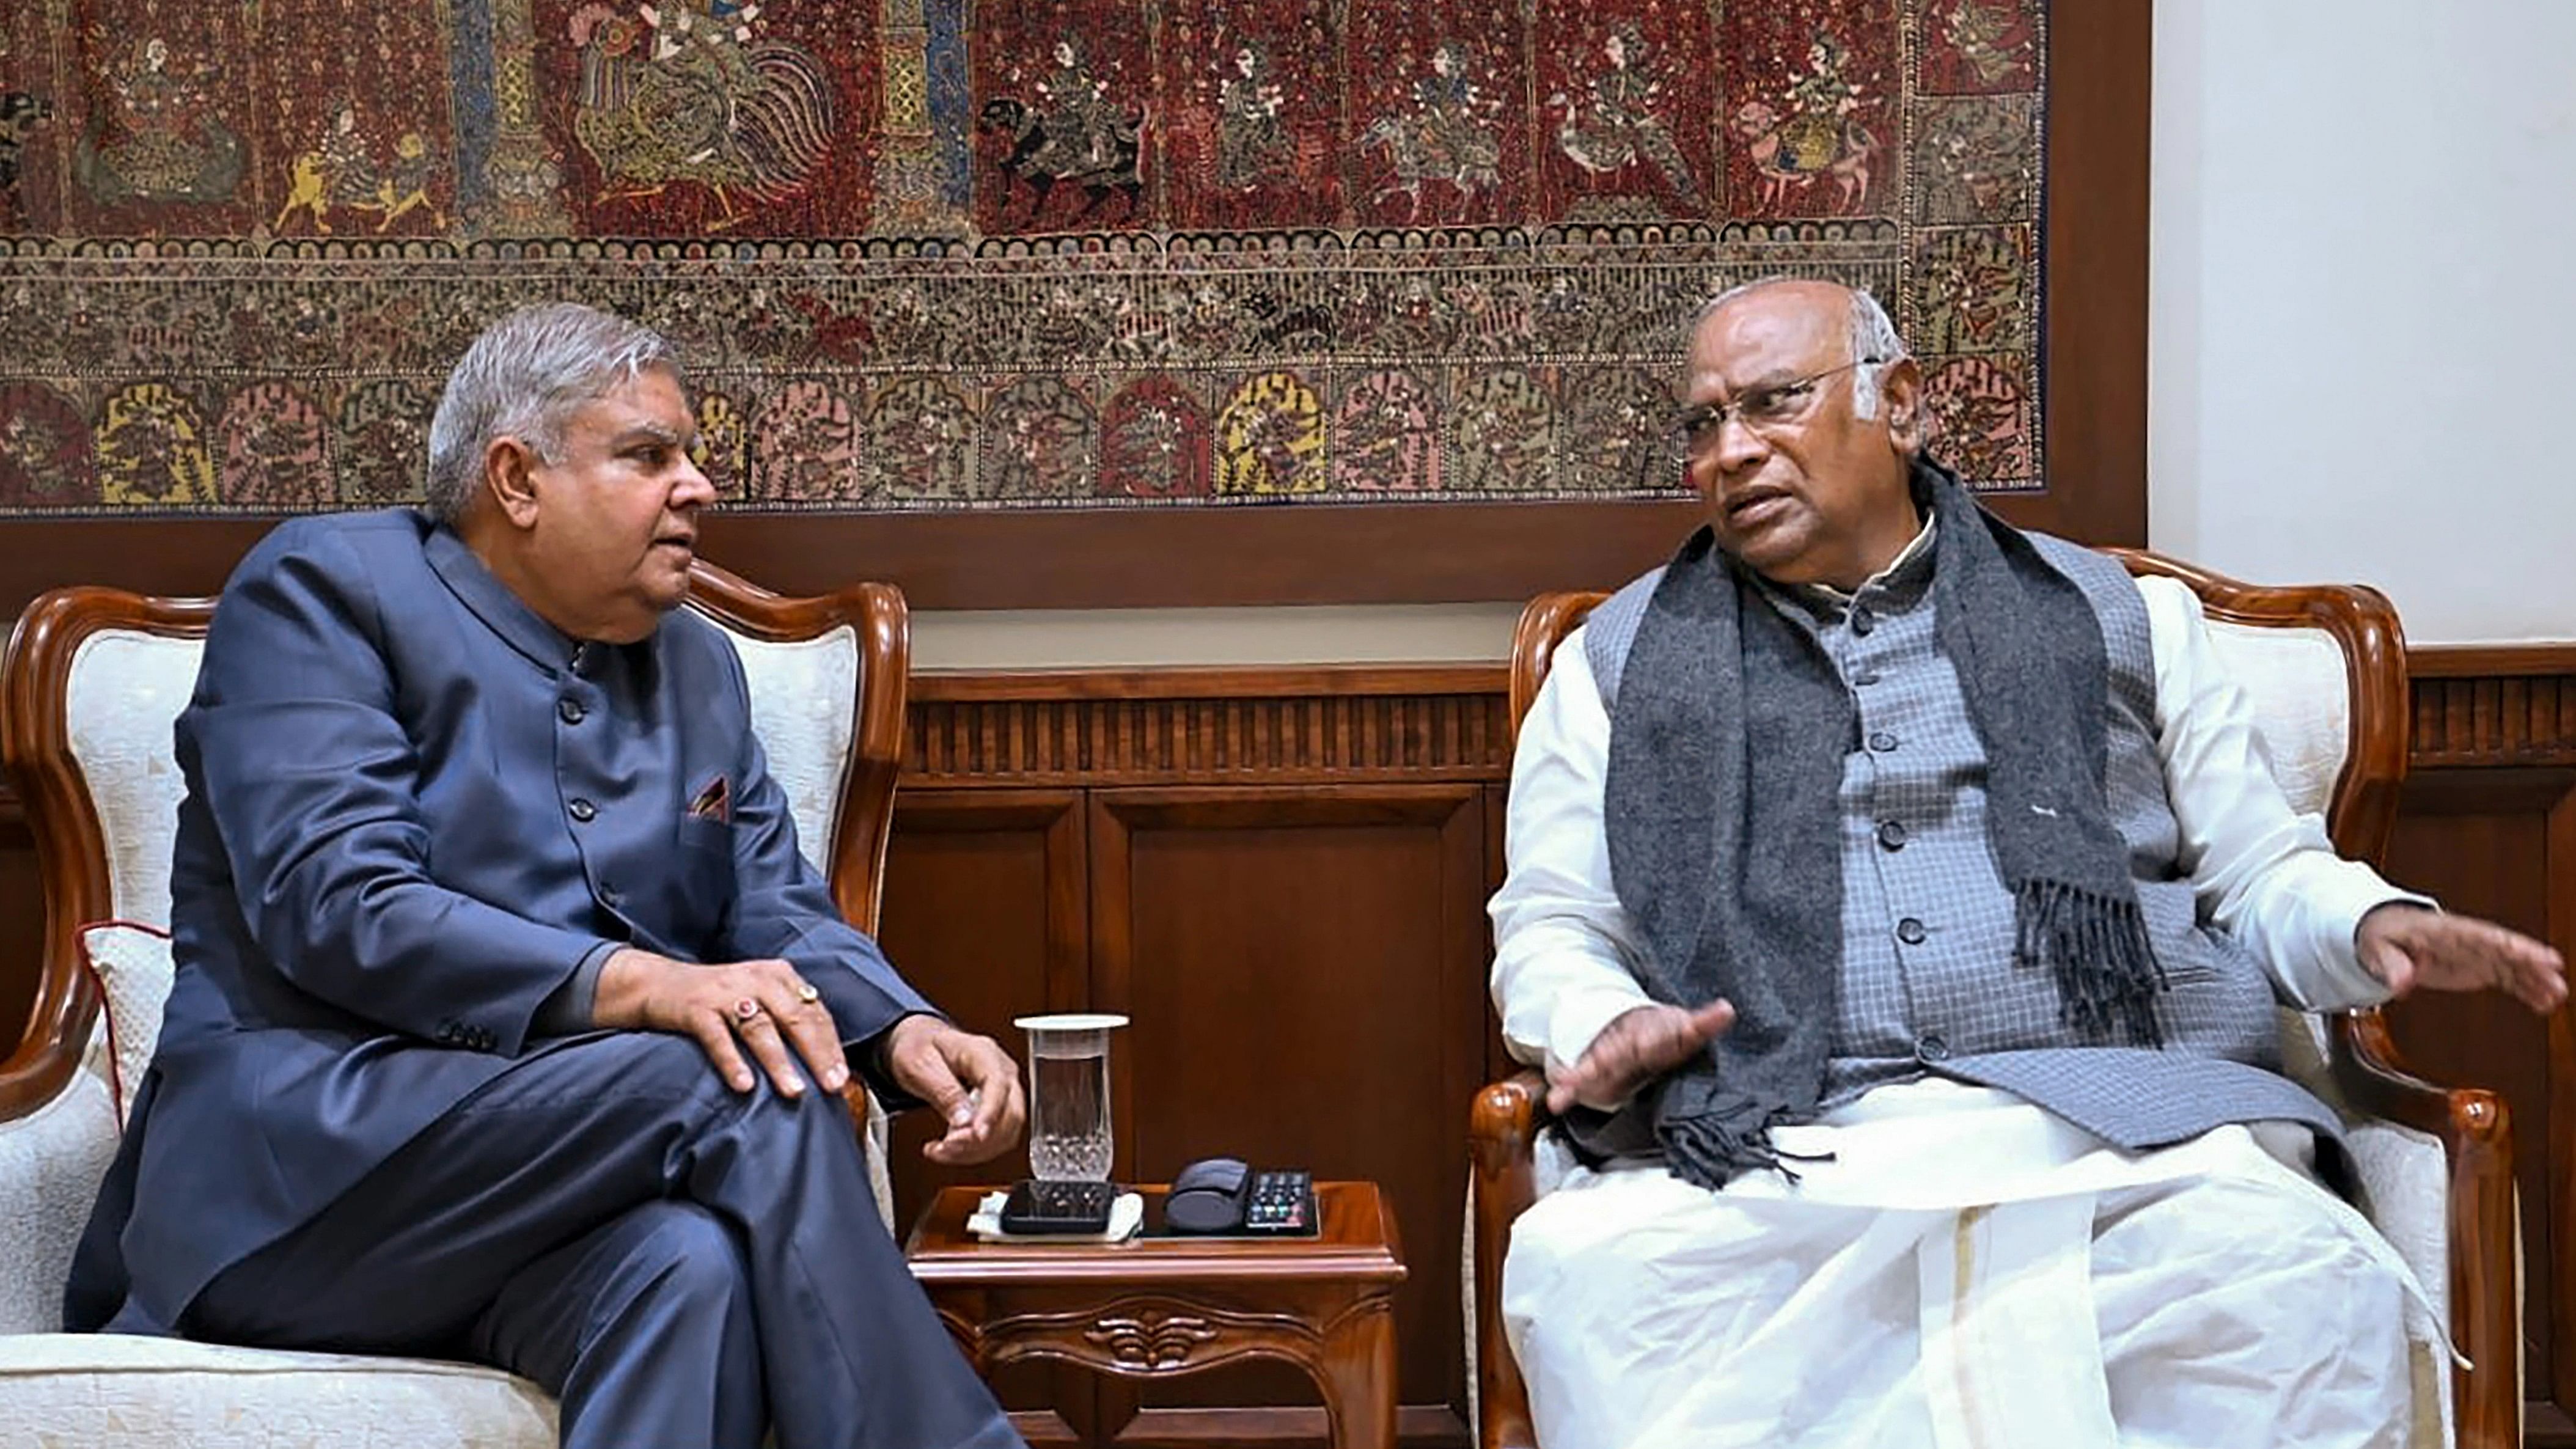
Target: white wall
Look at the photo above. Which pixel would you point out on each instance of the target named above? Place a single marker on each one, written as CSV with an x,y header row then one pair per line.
x,y
2363,302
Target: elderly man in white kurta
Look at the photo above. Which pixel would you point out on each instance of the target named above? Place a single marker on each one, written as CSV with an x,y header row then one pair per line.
x,y
1897,902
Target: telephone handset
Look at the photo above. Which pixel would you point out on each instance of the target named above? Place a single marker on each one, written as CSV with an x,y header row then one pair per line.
x,y
1223,1197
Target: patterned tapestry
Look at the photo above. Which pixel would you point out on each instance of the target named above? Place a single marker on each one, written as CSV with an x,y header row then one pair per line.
x,y
961,254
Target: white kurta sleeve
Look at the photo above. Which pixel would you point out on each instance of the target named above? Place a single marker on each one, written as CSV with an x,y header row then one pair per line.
x,y
1561,941
2262,872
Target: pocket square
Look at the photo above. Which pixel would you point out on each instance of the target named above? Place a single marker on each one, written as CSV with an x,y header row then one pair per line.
x,y
714,802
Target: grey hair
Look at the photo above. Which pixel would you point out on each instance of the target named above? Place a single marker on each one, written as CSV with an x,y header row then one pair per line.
x,y
1873,335
524,378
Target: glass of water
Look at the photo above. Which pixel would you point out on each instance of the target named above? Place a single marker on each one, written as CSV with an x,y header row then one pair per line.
x,y
1069,1095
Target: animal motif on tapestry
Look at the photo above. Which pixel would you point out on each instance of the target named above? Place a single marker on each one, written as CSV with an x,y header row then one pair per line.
x,y
1452,134
1616,123
687,92
343,172
1072,134
1818,135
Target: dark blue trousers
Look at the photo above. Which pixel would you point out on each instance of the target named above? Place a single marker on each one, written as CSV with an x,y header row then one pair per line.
x,y
680,1264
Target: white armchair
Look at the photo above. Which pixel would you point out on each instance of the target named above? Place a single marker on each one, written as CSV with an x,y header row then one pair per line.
x,y
2327,668
92,682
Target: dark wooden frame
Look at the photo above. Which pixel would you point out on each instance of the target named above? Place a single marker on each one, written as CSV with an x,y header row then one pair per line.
x,y
2471,1123
71,849
2094,310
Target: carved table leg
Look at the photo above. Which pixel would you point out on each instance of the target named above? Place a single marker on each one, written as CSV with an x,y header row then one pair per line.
x,y
1357,1375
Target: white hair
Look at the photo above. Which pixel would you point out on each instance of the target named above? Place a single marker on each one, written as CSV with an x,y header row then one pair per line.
x,y
524,378
1874,343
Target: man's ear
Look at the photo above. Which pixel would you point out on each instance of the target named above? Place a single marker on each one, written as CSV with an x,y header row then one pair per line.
x,y
509,468
1900,393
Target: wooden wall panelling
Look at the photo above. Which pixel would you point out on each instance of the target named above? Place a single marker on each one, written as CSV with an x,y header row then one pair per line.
x,y
1305,972
985,912
2488,825
2480,841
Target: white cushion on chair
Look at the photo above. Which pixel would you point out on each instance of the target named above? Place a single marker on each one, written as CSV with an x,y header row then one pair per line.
x,y
2302,703
804,697
133,968
125,694
50,1163
75,1391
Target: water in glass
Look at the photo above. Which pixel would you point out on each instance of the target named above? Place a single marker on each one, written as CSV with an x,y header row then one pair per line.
x,y
1069,1137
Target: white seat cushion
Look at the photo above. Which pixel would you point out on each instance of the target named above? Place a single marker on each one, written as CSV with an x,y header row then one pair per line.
x,y
76,1391
133,968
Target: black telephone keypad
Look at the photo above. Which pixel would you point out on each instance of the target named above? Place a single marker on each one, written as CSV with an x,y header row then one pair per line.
x,y
1281,1201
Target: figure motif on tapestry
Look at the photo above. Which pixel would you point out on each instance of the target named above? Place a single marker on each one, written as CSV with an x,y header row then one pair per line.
x,y
342,172
157,136
1073,133
1818,134
1453,134
687,91
1976,29
44,447
1616,124
20,114
1252,143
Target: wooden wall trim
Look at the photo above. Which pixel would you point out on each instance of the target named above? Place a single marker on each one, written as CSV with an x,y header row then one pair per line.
x,y
2493,706
1340,726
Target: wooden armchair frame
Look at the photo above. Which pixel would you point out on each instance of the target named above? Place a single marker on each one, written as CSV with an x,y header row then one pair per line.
x,y
2471,1123
71,847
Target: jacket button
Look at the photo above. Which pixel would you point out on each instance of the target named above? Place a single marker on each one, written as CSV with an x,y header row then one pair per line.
x,y
582,810
1882,741
571,710
1930,1047
1911,931
1891,834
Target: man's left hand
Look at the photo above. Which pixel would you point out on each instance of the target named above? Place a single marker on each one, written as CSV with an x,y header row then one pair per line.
x,y
2410,947
967,1079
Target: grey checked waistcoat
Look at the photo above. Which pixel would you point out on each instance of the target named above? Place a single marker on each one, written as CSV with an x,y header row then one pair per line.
x,y
1927,980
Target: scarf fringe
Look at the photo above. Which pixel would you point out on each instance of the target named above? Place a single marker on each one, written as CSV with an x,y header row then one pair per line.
x,y
2097,949
1710,1150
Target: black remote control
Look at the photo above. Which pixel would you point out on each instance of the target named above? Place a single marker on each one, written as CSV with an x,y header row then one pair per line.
x,y
1281,1204
1040,1206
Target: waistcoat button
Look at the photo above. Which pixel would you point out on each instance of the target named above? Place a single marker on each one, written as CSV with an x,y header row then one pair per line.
x,y
1862,621
1930,1047
1881,741
570,710
582,810
1911,931
1891,834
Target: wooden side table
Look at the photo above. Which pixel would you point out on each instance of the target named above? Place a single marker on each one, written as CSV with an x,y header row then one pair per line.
x,y
1153,1308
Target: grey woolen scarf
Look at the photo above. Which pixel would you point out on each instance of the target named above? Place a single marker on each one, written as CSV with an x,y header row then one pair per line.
x,y
1727,745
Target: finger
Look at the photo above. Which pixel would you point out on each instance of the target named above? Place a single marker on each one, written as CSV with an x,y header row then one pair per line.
x,y
996,1082
812,1032
1712,1020
759,1032
928,1075
715,1038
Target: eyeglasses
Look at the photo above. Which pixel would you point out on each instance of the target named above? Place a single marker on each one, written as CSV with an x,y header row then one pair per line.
x,y
1696,428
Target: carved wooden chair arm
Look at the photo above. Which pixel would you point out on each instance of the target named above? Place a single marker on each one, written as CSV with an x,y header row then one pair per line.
x,y
2477,1143
1502,1137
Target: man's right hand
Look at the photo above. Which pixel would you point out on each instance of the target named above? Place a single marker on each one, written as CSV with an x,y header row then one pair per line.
x,y
1639,1045
784,1018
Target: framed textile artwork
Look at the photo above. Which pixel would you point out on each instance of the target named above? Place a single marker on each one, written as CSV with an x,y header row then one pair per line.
x,y
961,273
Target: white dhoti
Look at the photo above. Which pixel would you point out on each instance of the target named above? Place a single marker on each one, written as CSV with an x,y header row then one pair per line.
x,y
1967,1272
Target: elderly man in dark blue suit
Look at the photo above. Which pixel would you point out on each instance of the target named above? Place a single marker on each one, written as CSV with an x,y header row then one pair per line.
x,y
509,1022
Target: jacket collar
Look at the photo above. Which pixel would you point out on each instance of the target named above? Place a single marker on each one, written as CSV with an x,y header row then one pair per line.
x,y
505,613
